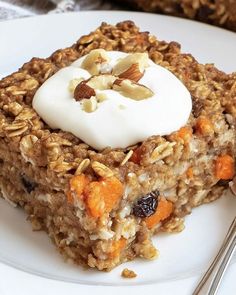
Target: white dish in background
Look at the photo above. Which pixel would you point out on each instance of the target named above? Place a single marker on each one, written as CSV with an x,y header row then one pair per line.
x,y
181,255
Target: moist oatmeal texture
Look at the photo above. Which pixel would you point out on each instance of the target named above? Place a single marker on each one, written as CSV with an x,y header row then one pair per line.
x,y
217,12
101,208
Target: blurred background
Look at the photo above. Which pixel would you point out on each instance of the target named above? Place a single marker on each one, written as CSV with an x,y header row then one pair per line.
x,y
217,12
18,8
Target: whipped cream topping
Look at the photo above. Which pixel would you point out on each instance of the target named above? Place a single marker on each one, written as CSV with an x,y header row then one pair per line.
x,y
118,121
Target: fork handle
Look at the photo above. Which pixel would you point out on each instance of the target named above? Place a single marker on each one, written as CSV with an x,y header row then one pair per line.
x,y
209,284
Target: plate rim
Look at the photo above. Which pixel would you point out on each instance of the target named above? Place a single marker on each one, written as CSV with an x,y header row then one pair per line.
x,y
58,15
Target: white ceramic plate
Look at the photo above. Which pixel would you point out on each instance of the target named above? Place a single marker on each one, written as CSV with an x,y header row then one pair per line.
x,y
182,255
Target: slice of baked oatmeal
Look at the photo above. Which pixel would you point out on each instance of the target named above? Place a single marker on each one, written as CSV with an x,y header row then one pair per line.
x,y
96,177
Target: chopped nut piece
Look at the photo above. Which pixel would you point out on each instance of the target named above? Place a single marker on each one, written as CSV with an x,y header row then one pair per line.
x,y
132,73
89,105
101,97
125,63
132,90
82,91
102,82
128,274
94,60
105,68
73,83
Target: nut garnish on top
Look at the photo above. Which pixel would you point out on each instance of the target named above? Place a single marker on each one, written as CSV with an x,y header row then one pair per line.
x,y
94,61
102,82
124,78
132,73
83,90
125,63
131,89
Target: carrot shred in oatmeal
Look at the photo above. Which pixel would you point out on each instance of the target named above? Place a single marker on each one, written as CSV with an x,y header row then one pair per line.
x,y
224,167
184,133
204,126
163,211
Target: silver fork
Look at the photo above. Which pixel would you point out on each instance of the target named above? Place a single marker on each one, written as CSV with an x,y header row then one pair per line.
x,y
210,282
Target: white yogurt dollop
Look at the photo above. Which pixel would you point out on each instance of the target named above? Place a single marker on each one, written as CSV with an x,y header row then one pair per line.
x,y
118,121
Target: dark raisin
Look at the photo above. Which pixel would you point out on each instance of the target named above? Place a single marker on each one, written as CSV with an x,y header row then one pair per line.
x,y
197,107
223,182
29,185
147,205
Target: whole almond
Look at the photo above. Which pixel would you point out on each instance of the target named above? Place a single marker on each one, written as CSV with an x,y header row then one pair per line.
x,y
132,73
82,91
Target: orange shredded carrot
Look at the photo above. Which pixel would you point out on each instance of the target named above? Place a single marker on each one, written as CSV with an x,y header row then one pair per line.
x,y
224,167
78,184
94,199
99,196
136,156
189,172
117,247
185,133
204,126
102,196
113,191
163,211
